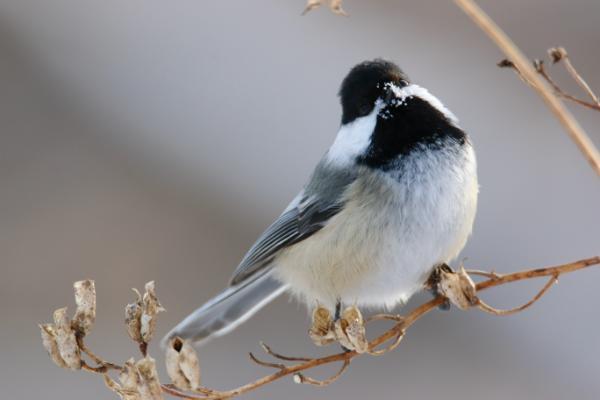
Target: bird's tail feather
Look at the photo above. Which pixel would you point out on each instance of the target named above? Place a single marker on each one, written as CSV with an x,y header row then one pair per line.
x,y
227,310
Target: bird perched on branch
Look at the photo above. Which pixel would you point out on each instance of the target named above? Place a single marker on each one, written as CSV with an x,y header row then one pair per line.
x,y
392,198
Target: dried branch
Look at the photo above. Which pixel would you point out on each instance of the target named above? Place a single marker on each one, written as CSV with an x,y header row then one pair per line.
x,y
334,5
139,379
540,68
581,139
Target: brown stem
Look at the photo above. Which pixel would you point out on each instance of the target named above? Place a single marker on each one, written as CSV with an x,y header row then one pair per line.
x,y
105,365
580,81
586,146
393,333
489,309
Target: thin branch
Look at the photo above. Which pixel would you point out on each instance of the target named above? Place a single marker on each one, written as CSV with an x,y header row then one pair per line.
x,y
540,69
489,309
559,54
264,363
270,352
300,378
394,332
586,146
103,365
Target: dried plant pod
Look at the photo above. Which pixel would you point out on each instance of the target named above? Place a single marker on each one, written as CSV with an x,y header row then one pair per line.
x,y
133,318
149,387
129,376
183,366
85,298
557,54
311,5
458,287
65,339
49,342
150,308
125,394
350,330
130,382
321,331
336,7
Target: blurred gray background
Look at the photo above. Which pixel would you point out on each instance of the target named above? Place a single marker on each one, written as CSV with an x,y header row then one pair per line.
x,y
155,139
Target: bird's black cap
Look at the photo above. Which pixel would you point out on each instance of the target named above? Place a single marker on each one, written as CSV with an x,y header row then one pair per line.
x,y
364,84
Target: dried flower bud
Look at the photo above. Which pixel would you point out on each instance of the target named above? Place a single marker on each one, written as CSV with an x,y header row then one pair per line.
x,y
150,386
310,5
538,65
350,330
458,287
182,364
321,331
129,376
505,63
133,317
130,382
336,7
85,298
65,339
151,307
557,54
123,393
49,342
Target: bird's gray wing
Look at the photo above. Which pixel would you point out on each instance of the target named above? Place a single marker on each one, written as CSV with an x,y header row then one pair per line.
x,y
304,216
307,213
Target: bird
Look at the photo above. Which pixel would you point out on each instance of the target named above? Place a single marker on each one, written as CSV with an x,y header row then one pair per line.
x,y
394,197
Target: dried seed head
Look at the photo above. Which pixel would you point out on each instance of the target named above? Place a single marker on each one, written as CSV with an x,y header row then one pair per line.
x,y
321,331
65,339
557,54
182,364
130,382
538,65
151,307
129,376
506,63
150,386
350,330
310,5
459,288
124,394
85,298
49,342
336,7
133,317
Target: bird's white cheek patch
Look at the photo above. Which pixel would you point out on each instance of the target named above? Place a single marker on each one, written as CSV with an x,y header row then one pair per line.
x,y
353,138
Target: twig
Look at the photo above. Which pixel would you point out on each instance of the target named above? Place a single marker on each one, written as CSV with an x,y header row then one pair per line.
x,y
103,365
552,101
300,378
559,54
489,309
393,333
264,363
270,352
540,69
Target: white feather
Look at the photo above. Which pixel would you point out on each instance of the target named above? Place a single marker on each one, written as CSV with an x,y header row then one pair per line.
x,y
393,230
353,138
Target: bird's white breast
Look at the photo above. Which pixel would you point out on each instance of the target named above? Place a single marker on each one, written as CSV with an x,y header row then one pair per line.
x,y
394,228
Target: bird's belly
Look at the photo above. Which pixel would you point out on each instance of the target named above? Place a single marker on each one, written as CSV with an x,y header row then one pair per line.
x,y
382,247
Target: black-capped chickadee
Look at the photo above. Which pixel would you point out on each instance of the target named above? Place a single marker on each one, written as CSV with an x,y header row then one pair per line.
x,y
393,197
